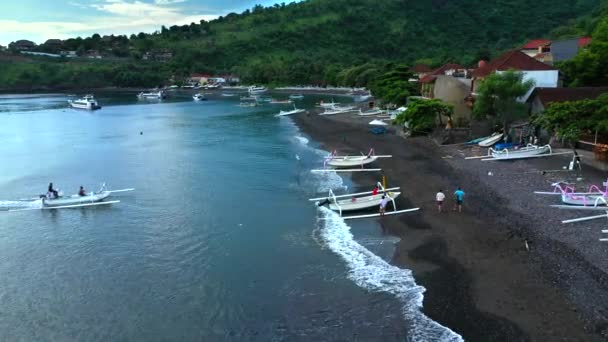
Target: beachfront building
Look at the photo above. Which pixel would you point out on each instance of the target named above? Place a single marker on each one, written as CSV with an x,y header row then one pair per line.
x,y
543,75
450,83
197,78
420,70
541,98
548,51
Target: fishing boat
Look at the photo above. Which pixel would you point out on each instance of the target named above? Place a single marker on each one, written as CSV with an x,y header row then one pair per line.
x,y
152,95
493,139
253,90
361,201
296,96
48,201
88,102
228,94
248,104
328,104
199,97
372,112
261,99
280,101
530,151
334,160
337,110
291,112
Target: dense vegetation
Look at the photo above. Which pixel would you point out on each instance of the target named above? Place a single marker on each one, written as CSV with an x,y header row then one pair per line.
x,y
314,41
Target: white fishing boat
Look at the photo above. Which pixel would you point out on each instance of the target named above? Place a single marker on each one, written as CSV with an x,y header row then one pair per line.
x,y
372,112
530,151
362,201
291,112
49,201
326,105
87,102
585,200
490,141
280,101
296,96
337,110
199,97
253,90
248,104
152,95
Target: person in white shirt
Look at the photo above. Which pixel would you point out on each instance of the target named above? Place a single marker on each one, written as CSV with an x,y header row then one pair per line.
x,y
440,198
383,204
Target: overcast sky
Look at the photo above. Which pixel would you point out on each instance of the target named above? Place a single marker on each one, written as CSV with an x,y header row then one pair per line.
x,y
39,20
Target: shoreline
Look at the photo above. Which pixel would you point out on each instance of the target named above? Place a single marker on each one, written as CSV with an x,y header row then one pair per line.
x,y
481,281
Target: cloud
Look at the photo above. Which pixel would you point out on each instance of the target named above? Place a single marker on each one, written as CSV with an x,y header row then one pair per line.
x,y
111,17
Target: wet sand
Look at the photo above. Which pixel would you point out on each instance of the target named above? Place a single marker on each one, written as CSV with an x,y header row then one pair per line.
x,y
481,279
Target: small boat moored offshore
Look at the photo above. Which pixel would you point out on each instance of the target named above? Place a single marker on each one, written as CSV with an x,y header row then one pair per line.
x,y
199,97
88,102
296,96
152,95
257,90
291,112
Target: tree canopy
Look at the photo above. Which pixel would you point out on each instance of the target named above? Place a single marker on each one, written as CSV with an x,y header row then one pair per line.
x,y
498,97
421,115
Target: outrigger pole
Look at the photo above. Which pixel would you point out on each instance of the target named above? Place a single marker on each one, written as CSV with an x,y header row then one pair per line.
x,y
588,218
346,170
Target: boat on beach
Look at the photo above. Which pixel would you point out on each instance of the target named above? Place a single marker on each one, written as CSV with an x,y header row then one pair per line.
x,y
291,112
530,151
491,140
362,201
337,110
372,112
87,102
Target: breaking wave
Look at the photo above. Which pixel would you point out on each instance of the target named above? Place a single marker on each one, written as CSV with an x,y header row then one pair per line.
x,y
371,272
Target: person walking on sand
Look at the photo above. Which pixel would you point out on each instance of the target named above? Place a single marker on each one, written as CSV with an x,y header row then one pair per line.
x,y
459,194
440,198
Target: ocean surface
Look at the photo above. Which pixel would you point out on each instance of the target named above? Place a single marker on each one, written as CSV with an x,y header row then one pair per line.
x,y
217,243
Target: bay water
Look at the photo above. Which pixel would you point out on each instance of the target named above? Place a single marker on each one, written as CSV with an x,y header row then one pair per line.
x,y
217,243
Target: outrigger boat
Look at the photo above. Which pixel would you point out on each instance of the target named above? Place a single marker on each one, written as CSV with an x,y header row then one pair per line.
x,y
361,201
593,199
47,201
491,140
291,112
371,112
337,161
530,151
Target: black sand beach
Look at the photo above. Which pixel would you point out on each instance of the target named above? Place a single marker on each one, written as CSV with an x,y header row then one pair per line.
x,y
505,269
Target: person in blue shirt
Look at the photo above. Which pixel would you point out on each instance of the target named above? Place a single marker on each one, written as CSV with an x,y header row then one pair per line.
x,y
459,194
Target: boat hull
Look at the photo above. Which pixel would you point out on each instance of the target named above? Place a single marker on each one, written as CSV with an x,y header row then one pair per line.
x,y
525,152
85,106
491,140
346,162
584,200
75,199
361,203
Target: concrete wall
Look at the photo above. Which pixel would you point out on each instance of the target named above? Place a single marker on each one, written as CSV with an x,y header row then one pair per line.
x,y
454,90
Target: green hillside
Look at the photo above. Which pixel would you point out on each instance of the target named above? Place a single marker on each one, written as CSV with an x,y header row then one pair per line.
x,y
310,42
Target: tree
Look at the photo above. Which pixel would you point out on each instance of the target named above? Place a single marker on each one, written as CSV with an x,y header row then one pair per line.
x,y
498,97
421,114
568,120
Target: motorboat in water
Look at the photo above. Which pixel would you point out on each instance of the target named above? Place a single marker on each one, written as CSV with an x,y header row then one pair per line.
x,y
257,90
296,96
152,95
199,97
88,102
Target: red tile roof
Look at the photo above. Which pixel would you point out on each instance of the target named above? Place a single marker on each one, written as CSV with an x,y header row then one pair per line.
x,y
584,41
550,95
440,71
535,44
421,68
515,60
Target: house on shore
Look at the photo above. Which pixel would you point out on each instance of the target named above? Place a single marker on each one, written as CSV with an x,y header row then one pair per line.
x,y
541,98
197,78
543,75
421,70
450,83
549,52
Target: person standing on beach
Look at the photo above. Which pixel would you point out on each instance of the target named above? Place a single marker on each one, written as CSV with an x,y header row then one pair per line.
x,y
440,198
383,204
459,194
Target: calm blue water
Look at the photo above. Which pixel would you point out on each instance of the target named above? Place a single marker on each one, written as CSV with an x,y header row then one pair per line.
x,y
218,242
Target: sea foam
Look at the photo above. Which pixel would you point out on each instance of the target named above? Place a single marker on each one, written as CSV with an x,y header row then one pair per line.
x,y
371,272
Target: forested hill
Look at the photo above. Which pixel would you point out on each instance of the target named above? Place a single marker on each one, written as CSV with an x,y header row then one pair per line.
x,y
310,42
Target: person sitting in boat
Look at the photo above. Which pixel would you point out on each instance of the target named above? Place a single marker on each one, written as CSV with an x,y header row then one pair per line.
x,y
52,193
81,192
375,191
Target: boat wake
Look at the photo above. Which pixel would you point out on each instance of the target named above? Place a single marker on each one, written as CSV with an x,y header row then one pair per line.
x,y
13,205
371,272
